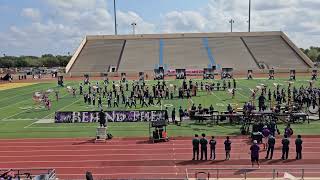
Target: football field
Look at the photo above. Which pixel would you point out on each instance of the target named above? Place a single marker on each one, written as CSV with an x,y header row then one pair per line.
x,y
21,117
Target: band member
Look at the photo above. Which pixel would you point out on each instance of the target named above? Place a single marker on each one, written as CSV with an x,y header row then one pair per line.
x,y
158,101
133,102
115,102
48,104
144,102
100,102
249,75
127,102
314,76
81,89
74,92
57,95
234,84
109,100
233,93
261,102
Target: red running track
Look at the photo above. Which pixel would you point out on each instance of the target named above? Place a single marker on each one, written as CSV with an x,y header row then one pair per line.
x,y
136,158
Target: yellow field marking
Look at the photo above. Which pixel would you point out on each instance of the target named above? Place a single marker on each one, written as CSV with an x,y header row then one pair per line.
x,y
14,85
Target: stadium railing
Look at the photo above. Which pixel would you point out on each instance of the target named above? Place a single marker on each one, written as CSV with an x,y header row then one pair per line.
x,y
252,173
50,174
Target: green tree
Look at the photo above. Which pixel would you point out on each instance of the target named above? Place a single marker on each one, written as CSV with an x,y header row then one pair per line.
x,y
6,63
313,54
318,58
21,62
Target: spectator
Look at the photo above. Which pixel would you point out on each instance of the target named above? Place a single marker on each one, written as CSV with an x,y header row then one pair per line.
x,y
265,133
195,144
227,147
271,143
212,143
298,147
285,147
203,142
288,131
255,153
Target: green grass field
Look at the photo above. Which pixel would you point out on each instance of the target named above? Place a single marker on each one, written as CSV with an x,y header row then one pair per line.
x,y
19,114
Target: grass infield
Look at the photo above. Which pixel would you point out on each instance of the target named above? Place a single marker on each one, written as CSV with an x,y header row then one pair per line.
x,y
19,113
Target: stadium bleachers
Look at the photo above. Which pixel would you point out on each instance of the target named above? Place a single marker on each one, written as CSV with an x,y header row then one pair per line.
x,y
274,52
98,55
186,53
241,51
139,55
231,52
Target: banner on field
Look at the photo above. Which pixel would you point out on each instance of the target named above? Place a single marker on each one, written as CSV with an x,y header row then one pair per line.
x,y
189,72
111,116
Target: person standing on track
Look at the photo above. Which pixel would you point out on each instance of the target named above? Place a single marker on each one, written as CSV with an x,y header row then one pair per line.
x,y
285,147
265,133
298,143
255,153
271,143
212,143
195,144
227,147
204,142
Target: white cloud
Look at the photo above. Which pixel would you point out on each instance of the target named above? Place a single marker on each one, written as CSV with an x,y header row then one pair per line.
x,y
184,21
61,28
295,17
125,19
33,14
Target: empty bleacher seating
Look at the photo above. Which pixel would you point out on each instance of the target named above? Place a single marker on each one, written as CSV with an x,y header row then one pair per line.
x,y
139,55
231,52
274,52
188,53
98,55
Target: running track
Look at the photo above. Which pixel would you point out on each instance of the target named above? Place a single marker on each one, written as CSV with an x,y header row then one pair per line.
x,y
136,158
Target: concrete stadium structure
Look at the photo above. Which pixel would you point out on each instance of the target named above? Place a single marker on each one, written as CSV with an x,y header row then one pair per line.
x,y
241,51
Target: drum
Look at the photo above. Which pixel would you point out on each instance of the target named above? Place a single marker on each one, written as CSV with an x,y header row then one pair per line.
x,y
314,109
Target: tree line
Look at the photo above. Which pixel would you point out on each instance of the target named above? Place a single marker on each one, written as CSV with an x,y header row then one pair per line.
x,y
49,60
46,60
313,53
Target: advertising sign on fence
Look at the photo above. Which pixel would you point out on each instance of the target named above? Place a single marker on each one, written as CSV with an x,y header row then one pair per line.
x,y
111,116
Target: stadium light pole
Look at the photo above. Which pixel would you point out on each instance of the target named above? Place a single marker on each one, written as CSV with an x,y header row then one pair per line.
x,y
115,17
133,28
231,22
249,22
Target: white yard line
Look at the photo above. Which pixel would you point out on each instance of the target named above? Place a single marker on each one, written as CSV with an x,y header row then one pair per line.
x,y
24,111
62,108
30,124
14,104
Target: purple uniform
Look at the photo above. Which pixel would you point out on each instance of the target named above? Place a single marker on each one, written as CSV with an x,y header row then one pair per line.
x,y
266,132
255,152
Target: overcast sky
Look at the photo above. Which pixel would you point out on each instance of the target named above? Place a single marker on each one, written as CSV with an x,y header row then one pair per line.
x,y
35,27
